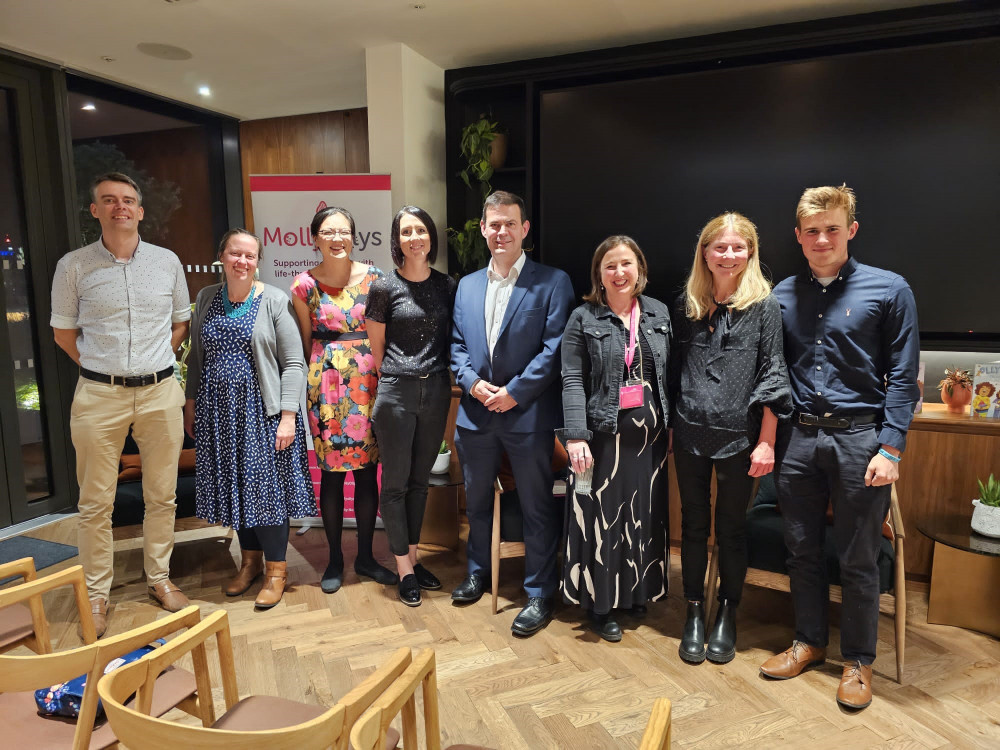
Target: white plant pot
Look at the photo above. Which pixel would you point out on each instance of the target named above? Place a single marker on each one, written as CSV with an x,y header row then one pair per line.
x,y
441,463
986,520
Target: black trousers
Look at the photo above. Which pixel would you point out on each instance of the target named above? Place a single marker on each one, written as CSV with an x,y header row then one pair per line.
x,y
814,467
273,540
409,418
733,488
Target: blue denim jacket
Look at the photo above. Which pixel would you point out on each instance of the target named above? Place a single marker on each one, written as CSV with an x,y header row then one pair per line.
x,y
593,362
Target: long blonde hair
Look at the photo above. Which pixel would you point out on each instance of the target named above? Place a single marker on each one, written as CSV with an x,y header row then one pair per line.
x,y
751,288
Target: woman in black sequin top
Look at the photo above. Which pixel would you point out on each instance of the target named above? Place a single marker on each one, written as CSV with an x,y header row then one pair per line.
x,y
409,326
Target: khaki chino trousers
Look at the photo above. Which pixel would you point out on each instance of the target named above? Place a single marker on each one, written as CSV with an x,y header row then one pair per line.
x,y
99,422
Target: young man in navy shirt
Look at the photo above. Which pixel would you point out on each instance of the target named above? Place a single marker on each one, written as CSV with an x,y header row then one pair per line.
x,y
852,346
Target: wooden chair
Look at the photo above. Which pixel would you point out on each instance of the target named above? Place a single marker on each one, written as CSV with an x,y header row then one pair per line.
x,y
371,729
253,723
24,624
20,676
501,549
899,576
657,734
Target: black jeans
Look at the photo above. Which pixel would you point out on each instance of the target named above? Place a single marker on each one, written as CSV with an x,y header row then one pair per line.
x,y
272,540
814,467
733,488
409,420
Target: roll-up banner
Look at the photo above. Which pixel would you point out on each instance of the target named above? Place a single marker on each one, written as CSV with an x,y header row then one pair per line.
x,y
283,207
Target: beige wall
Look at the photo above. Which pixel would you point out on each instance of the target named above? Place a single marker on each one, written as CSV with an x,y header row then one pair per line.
x,y
406,130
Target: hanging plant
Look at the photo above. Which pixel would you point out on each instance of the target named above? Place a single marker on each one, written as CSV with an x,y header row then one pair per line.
x,y
476,143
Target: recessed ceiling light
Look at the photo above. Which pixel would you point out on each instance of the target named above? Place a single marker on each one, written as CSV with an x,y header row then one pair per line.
x,y
418,6
204,91
89,107
108,59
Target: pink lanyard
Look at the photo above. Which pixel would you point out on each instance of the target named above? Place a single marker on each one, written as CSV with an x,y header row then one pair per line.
x,y
633,327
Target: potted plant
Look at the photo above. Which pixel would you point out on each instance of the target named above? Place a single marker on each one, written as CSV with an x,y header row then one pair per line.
x,y
986,515
956,389
469,246
484,148
443,460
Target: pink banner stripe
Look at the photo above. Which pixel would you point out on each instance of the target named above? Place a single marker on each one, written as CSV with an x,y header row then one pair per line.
x,y
289,182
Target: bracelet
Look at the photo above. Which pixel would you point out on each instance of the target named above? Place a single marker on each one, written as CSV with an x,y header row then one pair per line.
x,y
884,453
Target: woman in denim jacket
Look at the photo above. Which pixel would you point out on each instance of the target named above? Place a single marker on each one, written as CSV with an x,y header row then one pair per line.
x,y
615,353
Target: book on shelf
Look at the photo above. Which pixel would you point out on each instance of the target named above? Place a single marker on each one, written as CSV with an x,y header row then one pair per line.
x,y
985,391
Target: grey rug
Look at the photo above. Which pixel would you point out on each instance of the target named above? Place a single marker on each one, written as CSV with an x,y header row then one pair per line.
x,y
45,553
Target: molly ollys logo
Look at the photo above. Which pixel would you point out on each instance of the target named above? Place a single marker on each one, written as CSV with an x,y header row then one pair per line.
x,y
302,236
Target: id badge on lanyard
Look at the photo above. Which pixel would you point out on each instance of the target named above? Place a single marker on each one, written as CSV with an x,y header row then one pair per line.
x,y
630,394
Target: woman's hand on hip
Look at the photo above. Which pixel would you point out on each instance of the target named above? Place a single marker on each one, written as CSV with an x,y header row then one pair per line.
x,y
286,431
579,455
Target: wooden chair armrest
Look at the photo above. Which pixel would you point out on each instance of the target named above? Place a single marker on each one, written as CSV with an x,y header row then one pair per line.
x,y
23,568
31,592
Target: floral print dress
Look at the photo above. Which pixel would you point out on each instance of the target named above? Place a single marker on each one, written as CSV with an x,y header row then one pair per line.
x,y
340,389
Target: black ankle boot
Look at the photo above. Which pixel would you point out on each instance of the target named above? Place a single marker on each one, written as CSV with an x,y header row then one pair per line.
x,y
692,648
722,640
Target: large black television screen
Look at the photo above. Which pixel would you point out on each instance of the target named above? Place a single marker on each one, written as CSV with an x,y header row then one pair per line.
x,y
915,131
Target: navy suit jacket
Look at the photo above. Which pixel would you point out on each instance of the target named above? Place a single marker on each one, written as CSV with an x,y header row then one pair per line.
x,y
526,356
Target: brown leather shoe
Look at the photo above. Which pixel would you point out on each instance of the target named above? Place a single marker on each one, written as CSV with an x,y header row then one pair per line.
x,y
855,689
169,596
99,613
275,577
251,567
793,662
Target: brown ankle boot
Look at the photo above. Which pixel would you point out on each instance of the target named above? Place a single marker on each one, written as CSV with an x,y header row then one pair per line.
x,y
251,567
275,577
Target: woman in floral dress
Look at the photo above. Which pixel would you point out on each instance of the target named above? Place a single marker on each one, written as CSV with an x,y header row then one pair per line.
x,y
329,303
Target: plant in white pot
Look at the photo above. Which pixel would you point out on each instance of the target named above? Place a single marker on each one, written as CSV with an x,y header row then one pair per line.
x,y
443,460
986,516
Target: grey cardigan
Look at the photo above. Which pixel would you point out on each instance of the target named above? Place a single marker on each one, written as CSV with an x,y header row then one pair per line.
x,y
276,345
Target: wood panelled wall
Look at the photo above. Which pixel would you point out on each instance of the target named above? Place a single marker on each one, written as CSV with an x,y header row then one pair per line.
x,y
326,142
179,156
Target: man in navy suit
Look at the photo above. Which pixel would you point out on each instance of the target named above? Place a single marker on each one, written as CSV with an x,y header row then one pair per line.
x,y
509,321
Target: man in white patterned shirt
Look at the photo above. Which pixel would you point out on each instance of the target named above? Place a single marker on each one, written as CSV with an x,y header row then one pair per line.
x,y
120,309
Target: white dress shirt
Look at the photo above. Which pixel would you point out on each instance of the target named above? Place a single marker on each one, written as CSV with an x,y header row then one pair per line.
x,y
498,291
124,309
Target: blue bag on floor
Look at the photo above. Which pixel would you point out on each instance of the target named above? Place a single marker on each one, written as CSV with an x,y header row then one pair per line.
x,y
65,699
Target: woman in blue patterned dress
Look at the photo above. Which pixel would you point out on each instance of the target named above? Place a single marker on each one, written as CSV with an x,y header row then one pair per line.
x,y
245,377
340,389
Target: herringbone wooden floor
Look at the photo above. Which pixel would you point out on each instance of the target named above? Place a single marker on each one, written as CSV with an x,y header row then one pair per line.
x,y
565,688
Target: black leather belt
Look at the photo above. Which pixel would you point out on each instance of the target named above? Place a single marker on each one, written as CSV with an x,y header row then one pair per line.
x,y
837,423
129,381
339,336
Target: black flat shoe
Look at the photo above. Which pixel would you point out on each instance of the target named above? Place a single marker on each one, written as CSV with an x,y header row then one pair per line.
x,y
371,569
470,590
535,616
425,579
692,648
722,639
333,579
605,626
409,591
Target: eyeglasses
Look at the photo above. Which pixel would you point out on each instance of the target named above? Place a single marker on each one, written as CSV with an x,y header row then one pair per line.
x,y
332,234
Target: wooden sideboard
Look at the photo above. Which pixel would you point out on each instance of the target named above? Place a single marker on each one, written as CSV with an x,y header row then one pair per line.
x,y
945,454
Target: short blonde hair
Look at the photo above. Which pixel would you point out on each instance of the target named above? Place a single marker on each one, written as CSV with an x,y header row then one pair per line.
x,y
752,286
819,199
596,294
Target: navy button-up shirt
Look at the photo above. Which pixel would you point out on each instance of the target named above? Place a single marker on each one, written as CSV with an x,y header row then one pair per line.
x,y
853,347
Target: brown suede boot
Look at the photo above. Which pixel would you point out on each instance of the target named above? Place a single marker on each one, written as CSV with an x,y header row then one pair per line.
x,y
251,566
275,577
